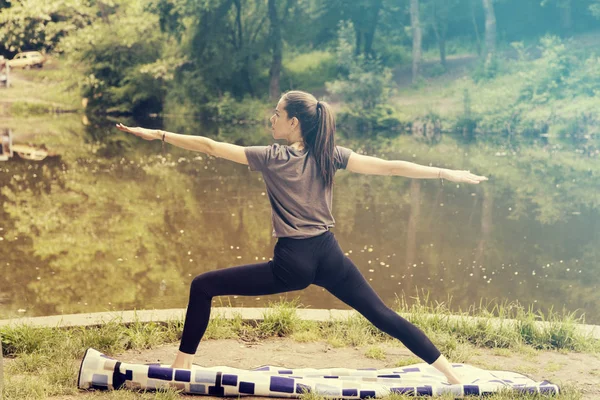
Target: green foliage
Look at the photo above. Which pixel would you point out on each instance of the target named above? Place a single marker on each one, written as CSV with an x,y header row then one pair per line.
x,y
118,59
228,109
364,85
392,54
35,25
595,8
382,119
561,74
546,84
487,69
364,82
467,122
308,71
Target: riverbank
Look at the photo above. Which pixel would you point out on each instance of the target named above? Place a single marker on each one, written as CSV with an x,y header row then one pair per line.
x,y
518,99
246,338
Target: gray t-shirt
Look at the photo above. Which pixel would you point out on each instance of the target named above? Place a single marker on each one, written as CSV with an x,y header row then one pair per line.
x,y
300,200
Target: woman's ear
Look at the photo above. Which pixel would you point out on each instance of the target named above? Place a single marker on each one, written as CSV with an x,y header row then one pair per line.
x,y
295,122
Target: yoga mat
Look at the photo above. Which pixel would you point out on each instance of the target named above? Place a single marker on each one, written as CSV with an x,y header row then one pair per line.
x,y
99,371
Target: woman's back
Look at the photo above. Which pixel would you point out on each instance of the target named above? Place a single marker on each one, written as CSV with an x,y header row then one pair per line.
x,y
300,199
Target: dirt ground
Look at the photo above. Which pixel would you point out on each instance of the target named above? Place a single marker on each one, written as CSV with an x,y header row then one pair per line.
x,y
582,370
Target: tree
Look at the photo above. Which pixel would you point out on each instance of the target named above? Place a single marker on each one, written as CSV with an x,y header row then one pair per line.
x,y
276,45
364,15
438,14
34,25
566,14
417,36
595,8
490,31
473,4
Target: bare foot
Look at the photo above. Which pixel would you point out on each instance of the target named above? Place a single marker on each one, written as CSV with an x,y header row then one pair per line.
x,y
183,361
181,366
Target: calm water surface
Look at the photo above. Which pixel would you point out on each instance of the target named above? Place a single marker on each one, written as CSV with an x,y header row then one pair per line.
x,y
110,223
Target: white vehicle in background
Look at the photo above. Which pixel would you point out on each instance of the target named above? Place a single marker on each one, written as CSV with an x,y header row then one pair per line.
x,y
27,60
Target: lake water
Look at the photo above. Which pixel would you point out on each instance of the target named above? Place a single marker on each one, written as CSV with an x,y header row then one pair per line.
x,y
110,223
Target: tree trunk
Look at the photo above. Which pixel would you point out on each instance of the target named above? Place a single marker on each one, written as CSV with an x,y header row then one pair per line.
x,y
490,29
475,27
276,45
238,24
567,15
359,39
416,32
372,26
442,46
440,34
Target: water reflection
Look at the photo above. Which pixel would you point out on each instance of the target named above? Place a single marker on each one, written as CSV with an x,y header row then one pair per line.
x,y
111,223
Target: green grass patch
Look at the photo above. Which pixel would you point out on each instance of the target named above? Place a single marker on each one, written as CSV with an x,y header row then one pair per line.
x,y
407,361
375,352
280,319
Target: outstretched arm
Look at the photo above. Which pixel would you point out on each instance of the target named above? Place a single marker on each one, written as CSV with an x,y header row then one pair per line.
x,y
376,166
195,143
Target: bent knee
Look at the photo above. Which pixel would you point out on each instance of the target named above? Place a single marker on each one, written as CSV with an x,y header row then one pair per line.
x,y
201,285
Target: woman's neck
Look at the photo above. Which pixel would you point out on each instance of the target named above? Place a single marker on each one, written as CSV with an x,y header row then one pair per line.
x,y
297,145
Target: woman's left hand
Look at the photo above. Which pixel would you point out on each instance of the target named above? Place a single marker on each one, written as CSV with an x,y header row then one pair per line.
x,y
146,134
461,176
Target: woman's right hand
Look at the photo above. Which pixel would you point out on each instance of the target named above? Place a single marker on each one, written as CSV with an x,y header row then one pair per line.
x,y
146,134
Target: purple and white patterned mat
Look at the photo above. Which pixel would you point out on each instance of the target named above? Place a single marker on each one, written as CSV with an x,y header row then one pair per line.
x,y
99,371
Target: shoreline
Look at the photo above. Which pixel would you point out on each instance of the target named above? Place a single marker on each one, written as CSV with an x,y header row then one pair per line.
x,y
248,314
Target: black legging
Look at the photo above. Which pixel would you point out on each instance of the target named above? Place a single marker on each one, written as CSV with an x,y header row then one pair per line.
x,y
296,264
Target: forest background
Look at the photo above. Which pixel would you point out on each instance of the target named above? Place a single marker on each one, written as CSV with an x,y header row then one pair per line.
x,y
473,66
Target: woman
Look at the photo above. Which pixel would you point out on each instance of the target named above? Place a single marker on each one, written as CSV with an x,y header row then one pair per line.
x,y
299,179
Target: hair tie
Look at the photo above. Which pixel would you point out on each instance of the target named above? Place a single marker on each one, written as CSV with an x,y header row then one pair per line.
x,y
318,103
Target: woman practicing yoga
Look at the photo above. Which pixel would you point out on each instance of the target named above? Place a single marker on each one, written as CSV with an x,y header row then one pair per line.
x,y
299,179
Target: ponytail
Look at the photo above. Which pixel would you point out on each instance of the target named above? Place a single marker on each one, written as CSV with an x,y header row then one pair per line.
x,y
324,145
317,124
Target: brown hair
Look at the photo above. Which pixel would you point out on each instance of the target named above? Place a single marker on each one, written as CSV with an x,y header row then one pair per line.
x,y
317,126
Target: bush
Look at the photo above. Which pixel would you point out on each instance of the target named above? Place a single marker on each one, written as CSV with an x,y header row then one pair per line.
x,y
487,69
548,82
309,71
364,82
114,57
228,109
467,122
380,119
392,55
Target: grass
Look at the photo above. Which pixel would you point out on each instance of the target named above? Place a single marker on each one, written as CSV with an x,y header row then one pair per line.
x,y
375,352
50,89
52,356
497,105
